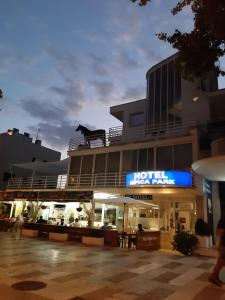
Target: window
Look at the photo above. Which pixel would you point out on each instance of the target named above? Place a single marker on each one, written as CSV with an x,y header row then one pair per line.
x,y
182,156
129,161
137,119
87,163
164,158
146,159
75,165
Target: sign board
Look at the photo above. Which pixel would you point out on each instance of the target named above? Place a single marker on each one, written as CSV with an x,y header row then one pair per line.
x,y
159,178
140,197
73,196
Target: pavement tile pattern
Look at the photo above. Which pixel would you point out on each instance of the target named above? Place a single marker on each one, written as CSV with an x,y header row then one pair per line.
x,y
71,271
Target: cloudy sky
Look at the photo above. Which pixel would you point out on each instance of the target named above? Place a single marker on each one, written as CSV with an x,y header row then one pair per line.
x,y
66,62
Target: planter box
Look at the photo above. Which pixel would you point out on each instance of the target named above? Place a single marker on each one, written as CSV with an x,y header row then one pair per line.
x,y
166,239
55,236
30,232
94,241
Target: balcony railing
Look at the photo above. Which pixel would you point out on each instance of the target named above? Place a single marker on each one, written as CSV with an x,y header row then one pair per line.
x,y
72,181
100,180
118,134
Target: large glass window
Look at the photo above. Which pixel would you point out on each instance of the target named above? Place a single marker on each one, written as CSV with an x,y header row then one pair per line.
x,y
75,165
113,162
171,91
129,161
100,163
158,96
145,159
164,158
182,156
87,164
151,98
136,119
164,108
100,169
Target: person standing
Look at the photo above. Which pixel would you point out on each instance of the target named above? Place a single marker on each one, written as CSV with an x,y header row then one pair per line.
x,y
220,263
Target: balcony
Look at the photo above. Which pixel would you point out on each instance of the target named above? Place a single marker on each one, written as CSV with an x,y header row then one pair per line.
x,y
64,181
120,135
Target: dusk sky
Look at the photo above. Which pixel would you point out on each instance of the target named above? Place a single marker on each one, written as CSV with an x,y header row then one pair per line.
x,y
66,62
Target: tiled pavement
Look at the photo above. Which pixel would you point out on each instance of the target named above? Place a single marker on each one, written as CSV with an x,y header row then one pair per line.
x,y
72,271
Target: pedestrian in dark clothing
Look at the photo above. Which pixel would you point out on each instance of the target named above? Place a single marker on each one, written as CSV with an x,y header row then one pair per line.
x,y
220,263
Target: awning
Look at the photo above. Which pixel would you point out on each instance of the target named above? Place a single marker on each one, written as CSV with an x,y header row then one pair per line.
x,y
52,168
105,198
212,168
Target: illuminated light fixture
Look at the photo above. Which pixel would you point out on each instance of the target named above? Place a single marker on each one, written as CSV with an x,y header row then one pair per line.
x,y
99,195
195,98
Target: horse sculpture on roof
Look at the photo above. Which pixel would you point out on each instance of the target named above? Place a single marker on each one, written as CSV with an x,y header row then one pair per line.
x,y
90,135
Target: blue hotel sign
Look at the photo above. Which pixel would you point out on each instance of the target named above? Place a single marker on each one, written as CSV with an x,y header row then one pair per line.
x,y
168,178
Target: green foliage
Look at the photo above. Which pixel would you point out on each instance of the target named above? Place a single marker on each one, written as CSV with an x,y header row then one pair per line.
x,y
201,48
185,242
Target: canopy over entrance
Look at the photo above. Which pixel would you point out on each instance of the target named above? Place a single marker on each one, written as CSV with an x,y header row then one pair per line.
x,y
106,198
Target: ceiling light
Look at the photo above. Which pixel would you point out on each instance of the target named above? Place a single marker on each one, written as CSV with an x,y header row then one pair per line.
x,y
195,98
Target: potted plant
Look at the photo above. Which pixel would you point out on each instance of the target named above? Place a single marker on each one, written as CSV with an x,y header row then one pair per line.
x,y
203,233
185,242
88,213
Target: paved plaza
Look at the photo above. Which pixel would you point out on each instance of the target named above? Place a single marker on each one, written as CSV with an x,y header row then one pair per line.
x,y
72,271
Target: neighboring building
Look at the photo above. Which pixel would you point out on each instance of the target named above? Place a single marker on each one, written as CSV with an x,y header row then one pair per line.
x,y
159,140
18,148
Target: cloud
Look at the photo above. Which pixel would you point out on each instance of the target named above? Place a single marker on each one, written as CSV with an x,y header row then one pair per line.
x,y
135,92
42,110
56,136
125,62
98,65
104,89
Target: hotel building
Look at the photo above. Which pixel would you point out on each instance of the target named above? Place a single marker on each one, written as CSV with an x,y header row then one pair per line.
x,y
149,158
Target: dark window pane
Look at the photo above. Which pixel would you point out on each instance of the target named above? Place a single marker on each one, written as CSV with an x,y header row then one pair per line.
x,y
164,95
164,158
100,169
75,165
100,163
87,163
129,161
113,162
134,160
157,95
151,98
150,160
142,159
182,156
171,91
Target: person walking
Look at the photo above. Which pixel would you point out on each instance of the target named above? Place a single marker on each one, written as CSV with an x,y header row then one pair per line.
x,y
220,263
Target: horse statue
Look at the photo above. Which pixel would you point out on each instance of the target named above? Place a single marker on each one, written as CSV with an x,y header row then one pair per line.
x,y
90,135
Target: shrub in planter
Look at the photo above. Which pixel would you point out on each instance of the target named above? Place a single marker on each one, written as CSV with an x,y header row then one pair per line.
x,y
184,242
202,228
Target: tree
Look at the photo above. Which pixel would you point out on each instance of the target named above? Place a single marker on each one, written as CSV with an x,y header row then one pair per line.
x,y
201,48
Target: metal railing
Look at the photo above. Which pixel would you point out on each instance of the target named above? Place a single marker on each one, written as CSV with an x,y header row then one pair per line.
x,y
118,134
72,181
